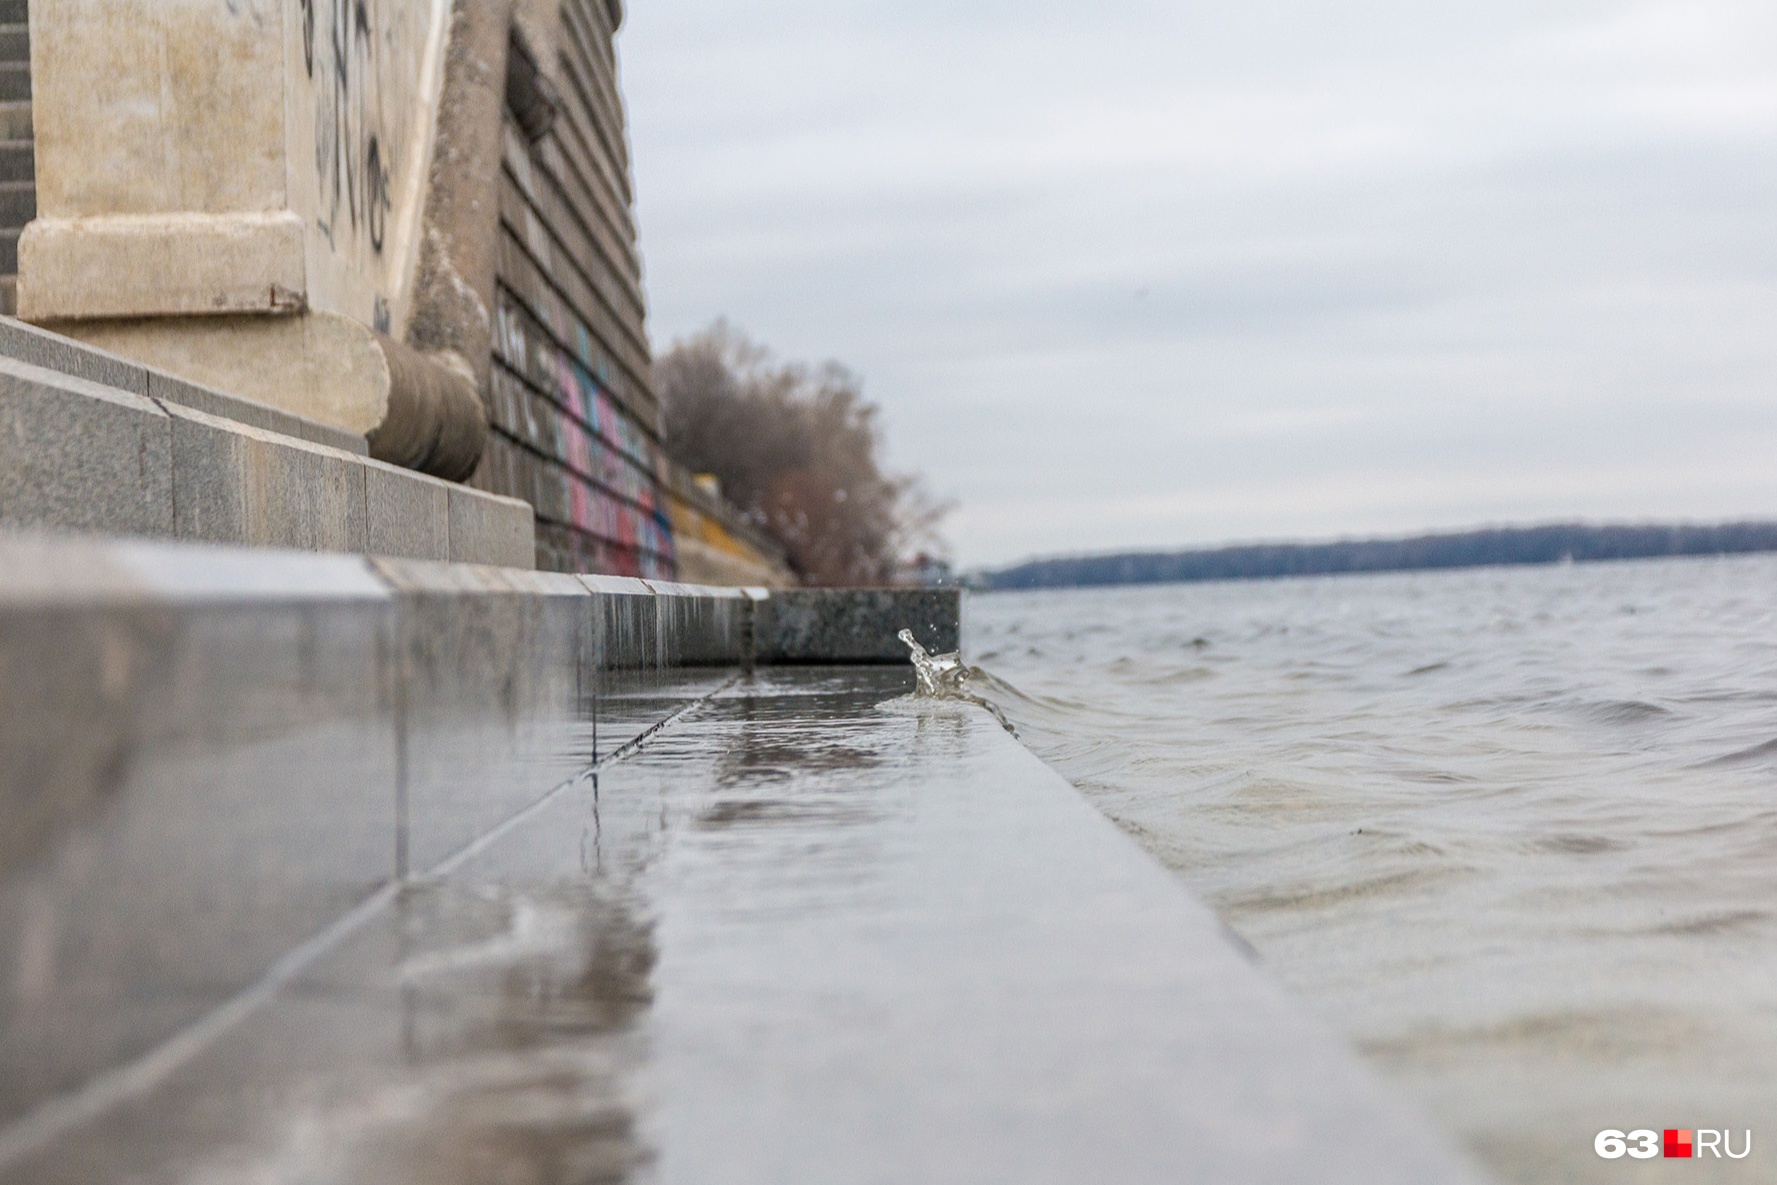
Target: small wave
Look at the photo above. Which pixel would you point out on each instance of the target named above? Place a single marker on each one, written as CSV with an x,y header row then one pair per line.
x,y
1579,845
1712,923
945,677
1603,1034
1624,711
1762,752
1428,668
1323,897
1142,673
1436,777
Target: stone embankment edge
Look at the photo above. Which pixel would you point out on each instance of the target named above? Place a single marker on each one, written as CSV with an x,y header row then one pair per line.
x,y
95,443
215,764
209,755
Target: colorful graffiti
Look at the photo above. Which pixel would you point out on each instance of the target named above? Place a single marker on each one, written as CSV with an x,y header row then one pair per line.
x,y
592,472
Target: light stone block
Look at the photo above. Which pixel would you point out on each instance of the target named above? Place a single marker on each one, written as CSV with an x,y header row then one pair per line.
x,y
407,513
77,456
489,529
237,484
186,264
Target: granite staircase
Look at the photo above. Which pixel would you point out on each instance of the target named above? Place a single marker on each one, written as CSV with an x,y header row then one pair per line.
x,y
18,163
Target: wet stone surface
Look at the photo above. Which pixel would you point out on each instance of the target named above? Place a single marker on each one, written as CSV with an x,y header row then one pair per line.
x,y
811,931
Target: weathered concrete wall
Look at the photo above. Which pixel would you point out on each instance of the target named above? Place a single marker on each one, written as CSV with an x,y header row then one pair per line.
x,y
575,424
714,542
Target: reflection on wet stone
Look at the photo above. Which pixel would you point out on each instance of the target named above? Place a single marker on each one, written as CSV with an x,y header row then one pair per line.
x,y
795,761
526,1003
515,969
521,1012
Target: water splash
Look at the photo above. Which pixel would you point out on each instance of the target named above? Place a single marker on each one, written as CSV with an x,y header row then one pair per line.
x,y
943,676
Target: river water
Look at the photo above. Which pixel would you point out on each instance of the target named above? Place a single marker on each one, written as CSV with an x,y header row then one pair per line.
x,y
1513,831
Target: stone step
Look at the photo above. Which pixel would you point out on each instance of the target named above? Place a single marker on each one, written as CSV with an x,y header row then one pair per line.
x,y
64,355
18,204
15,80
15,120
15,43
78,457
14,12
9,295
9,250
18,160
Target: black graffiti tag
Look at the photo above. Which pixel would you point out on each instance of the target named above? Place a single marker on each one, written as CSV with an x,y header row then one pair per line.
x,y
351,128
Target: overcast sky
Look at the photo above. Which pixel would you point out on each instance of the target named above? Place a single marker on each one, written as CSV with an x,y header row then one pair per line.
x,y
1138,274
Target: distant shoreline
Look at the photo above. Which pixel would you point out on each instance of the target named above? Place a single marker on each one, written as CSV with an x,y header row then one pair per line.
x,y
1484,547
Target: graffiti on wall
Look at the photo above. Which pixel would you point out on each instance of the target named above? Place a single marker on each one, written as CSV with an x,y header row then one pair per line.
x,y
339,55
367,83
589,468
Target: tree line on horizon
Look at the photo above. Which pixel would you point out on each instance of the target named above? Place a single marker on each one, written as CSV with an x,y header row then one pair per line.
x,y
1549,544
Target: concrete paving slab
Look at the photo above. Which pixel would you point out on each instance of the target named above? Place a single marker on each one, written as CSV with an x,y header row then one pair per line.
x,y
810,932
639,684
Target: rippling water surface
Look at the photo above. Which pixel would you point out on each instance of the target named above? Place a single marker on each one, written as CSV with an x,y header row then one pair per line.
x,y
1514,831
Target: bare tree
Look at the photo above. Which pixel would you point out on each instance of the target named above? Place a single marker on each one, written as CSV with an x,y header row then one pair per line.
x,y
796,450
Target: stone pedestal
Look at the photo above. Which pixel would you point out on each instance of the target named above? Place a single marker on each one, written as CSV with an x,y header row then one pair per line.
x,y
238,193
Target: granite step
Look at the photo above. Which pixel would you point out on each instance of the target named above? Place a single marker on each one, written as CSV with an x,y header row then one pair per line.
x,y
15,43
18,160
18,203
15,120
